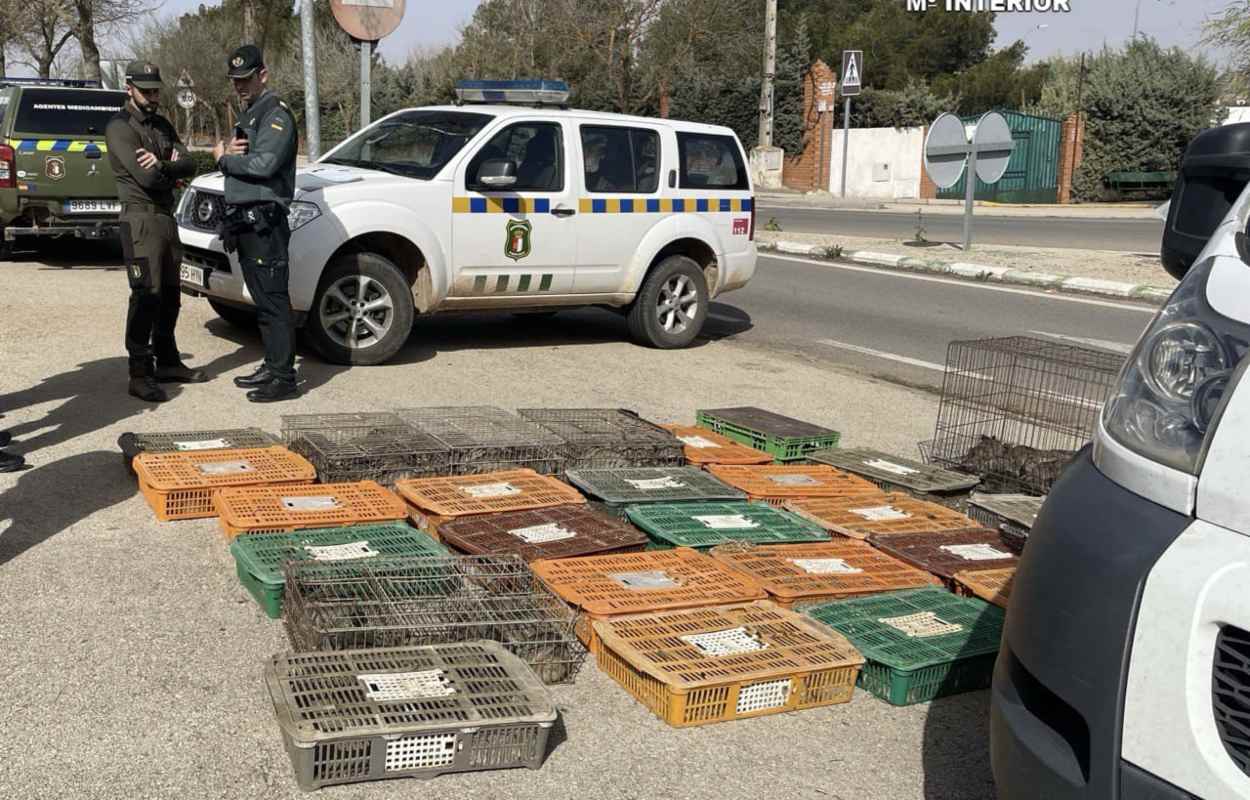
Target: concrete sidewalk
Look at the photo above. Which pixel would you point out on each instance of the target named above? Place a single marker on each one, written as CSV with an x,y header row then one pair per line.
x,y
1080,211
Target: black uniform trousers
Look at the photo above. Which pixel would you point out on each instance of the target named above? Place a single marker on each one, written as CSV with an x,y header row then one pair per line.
x,y
153,255
263,242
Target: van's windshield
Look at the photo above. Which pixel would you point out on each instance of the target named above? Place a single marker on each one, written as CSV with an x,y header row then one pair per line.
x,y
66,112
415,144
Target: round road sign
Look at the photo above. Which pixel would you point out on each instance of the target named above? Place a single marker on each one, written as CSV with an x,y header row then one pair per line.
x,y
946,151
994,146
368,20
186,98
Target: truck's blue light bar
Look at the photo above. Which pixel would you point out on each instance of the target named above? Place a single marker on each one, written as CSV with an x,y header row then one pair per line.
x,y
527,92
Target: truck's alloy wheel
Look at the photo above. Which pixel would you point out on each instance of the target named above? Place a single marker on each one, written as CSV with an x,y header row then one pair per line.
x,y
671,306
363,312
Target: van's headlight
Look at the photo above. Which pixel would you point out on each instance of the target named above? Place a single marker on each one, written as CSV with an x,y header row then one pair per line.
x,y
1172,385
301,213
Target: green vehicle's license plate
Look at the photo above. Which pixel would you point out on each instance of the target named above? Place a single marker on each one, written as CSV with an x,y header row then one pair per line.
x,y
93,207
193,275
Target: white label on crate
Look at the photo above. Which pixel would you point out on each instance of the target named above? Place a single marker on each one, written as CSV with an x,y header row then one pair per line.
x,y
975,552
891,467
646,579
825,566
880,513
697,442
922,625
209,444
794,480
727,522
485,490
729,642
656,484
420,751
399,686
759,696
314,503
226,468
341,552
540,534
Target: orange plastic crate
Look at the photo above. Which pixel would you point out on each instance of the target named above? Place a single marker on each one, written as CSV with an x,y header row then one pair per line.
x,y
801,573
604,587
703,447
432,501
704,665
278,509
777,483
182,485
991,585
867,515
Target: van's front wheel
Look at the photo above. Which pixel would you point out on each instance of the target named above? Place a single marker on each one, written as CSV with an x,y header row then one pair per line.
x,y
671,306
362,313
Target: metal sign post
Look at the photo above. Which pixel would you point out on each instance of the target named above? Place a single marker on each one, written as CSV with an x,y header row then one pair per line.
x,y
947,151
312,102
366,91
852,84
367,21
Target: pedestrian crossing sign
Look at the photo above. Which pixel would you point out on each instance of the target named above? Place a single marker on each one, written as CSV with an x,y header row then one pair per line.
x,y
852,72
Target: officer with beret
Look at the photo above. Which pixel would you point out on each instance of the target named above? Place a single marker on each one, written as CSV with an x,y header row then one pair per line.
x,y
148,160
259,165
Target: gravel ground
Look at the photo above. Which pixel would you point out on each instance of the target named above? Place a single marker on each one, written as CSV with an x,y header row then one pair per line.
x,y
133,656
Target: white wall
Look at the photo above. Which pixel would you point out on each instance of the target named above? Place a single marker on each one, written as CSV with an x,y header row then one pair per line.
x,y
1237,114
883,163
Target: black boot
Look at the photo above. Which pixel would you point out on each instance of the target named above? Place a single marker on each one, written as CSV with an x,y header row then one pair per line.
x,y
260,377
146,388
11,462
177,372
273,392
6,438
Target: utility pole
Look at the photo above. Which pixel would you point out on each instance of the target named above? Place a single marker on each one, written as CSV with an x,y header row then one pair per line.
x,y
1136,19
312,104
770,71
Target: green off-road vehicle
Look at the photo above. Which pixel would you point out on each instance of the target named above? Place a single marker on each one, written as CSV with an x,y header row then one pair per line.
x,y
55,179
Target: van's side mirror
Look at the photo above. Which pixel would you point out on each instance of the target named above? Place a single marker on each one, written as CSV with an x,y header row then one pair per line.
x,y
1213,174
497,173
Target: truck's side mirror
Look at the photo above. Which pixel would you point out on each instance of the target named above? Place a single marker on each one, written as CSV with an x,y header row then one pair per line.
x,y
1213,174
497,173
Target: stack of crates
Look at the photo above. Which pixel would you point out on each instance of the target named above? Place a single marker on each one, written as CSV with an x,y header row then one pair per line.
x,y
558,532
618,489
132,444
781,483
434,501
896,474
816,573
784,438
991,585
260,559
605,587
1013,514
600,438
945,553
374,446
285,509
412,711
703,447
488,439
862,516
704,665
704,525
920,644
185,485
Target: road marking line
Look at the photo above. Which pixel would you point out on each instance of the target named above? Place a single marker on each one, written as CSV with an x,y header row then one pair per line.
x,y
868,351
964,284
1103,344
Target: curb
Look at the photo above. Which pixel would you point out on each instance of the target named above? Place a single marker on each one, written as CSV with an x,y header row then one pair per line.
x,y
977,272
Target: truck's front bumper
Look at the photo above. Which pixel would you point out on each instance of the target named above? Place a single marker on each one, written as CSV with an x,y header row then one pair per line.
x,y
97,230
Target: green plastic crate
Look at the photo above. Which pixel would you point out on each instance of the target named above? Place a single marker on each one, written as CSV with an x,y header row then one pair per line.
x,y
704,525
903,669
259,558
784,438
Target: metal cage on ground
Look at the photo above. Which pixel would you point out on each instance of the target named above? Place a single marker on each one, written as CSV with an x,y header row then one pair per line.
x,y
608,437
488,439
369,446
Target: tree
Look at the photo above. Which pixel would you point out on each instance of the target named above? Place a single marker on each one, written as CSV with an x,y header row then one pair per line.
x,y
45,30
1000,81
913,106
1230,30
793,62
91,15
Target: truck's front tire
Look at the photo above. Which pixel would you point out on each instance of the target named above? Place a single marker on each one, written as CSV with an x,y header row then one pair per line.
x,y
362,313
671,305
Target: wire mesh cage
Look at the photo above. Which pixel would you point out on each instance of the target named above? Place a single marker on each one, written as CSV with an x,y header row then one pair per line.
x,y
1014,410
608,437
488,439
132,444
393,602
365,447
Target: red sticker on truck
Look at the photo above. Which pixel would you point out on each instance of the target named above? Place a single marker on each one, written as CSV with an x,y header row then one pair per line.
x,y
741,226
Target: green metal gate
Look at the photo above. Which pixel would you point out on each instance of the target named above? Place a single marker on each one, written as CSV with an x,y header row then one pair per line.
x,y
1032,174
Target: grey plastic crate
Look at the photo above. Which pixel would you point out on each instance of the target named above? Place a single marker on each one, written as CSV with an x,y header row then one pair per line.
x,y
365,715
488,439
896,473
132,444
372,446
994,510
618,488
602,438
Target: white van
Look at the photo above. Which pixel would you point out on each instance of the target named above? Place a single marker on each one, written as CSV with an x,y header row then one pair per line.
x,y
507,201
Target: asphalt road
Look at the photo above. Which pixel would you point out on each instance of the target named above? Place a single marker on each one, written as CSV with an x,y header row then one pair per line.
x,y
1125,235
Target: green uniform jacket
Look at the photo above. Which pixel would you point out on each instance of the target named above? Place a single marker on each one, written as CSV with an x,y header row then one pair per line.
x,y
130,130
266,172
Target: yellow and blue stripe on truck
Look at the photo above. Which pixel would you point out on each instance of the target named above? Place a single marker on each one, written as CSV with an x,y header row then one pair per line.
x,y
595,205
57,146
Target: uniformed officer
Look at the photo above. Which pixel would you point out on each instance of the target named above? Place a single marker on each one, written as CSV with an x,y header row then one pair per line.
x,y
259,165
148,160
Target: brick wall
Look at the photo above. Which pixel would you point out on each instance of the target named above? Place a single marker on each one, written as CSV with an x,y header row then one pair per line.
x,y
1071,152
809,170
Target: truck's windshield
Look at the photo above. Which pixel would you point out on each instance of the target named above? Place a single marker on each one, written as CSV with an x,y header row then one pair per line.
x,y
416,144
66,112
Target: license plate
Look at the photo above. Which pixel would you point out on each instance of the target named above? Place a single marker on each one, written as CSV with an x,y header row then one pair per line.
x,y
193,275
93,207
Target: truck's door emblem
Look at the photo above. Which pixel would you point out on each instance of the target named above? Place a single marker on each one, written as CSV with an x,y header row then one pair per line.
x,y
54,168
517,244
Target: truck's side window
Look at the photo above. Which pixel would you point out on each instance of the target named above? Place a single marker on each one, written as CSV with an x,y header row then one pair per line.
x,y
624,160
537,149
710,162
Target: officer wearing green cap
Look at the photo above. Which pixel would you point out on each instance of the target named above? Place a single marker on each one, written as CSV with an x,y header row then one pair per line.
x,y
148,160
259,165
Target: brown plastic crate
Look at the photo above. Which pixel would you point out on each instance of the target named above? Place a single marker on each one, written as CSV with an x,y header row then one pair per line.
x,y
777,483
944,554
991,585
866,515
703,447
182,485
276,509
803,573
433,501
558,532
604,587
705,665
